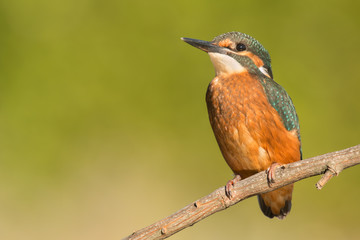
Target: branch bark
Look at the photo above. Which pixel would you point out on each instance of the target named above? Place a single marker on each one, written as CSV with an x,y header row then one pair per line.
x,y
331,164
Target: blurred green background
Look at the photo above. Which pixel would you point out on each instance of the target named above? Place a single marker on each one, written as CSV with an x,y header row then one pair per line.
x,y
103,121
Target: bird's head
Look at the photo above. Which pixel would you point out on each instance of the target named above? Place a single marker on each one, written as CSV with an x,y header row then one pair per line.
x,y
235,52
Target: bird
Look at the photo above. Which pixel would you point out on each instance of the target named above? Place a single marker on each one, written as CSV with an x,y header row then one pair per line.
x,y
253,118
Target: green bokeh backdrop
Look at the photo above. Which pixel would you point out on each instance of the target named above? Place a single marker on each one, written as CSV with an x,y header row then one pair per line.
x,y
104,127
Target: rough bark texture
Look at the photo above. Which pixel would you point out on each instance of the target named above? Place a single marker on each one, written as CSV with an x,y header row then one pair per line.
x,y
331,164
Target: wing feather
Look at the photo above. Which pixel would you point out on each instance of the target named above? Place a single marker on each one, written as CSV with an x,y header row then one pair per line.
x,y
282,103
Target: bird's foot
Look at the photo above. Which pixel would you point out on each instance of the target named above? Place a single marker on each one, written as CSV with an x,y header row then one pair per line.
x,y
230,185
271,173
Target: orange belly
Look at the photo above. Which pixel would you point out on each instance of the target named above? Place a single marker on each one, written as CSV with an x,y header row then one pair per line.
x,y
249,131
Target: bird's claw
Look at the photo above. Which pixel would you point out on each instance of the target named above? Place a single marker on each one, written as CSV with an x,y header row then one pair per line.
x,y
230,185
270,173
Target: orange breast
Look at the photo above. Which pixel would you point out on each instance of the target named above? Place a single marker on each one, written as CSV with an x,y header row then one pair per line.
x,y
247,128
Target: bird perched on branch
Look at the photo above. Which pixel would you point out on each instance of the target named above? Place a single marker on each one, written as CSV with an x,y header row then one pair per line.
x,y
252,116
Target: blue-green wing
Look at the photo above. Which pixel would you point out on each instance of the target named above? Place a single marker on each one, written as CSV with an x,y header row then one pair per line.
x,y
281,101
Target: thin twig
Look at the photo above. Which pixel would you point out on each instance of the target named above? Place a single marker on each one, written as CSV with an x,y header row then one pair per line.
x,y
331,164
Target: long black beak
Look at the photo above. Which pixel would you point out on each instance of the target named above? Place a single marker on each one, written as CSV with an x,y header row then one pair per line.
x,y
204,45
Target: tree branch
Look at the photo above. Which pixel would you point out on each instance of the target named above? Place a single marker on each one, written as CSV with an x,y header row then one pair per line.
x,y
331,164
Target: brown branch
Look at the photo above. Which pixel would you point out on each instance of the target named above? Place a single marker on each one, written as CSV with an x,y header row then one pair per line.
x,y
331,164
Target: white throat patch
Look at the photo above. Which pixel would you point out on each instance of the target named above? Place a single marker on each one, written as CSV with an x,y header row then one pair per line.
x,y
224,64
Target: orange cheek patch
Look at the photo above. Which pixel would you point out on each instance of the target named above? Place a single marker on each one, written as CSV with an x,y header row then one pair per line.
x,y
225,43
258,62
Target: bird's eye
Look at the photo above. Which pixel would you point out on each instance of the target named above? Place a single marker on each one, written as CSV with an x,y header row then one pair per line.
x,y
240,47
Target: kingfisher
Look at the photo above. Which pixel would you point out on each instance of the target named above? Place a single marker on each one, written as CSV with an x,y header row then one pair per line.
x,y
253,118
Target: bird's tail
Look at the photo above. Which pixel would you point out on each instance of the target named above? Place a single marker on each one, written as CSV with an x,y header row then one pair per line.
x,y
276,203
